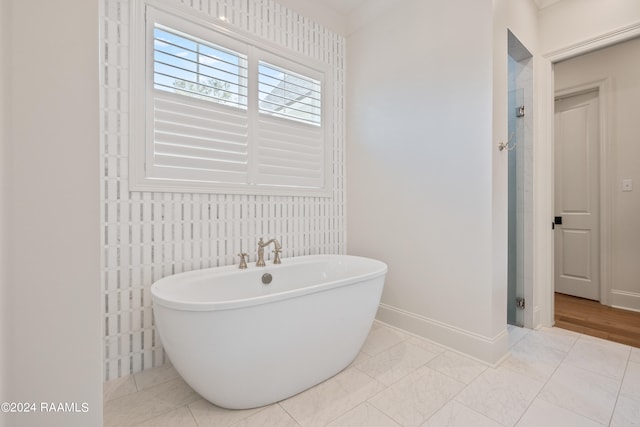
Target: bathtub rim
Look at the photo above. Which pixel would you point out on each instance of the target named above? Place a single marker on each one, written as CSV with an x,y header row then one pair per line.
x,y
379,269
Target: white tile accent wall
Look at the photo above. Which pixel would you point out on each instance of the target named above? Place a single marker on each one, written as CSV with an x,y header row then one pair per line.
x,y
148,235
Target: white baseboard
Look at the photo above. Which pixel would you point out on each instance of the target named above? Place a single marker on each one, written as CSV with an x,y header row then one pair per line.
x,y
626,300
490,350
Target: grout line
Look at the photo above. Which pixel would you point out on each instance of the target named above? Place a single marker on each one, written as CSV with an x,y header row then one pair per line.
x,y
287,412
626,367
549,379
193,417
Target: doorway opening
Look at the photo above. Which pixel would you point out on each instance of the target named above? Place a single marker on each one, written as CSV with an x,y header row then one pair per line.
x,y
520,185
593,71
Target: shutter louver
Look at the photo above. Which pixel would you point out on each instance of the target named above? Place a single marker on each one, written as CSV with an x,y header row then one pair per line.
x,y
199,143
290,153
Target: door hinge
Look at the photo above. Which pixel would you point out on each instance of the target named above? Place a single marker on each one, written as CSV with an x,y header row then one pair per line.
x,y
520,303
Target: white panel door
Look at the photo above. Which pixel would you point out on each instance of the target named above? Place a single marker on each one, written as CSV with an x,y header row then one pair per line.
x,y
577,195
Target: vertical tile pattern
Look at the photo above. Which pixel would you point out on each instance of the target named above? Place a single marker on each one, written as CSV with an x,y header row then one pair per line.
x,y
148,235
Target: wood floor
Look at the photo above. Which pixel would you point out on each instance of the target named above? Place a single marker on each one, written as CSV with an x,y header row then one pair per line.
x,y
592,318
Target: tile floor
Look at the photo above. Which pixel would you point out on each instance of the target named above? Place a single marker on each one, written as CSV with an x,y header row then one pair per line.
x,y
552,378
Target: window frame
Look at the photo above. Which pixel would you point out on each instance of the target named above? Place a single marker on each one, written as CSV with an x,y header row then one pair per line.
x,y
141,140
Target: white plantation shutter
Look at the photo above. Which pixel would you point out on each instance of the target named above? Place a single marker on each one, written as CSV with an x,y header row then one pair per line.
x,y
224,115
198,142
198,118
290,135
289,154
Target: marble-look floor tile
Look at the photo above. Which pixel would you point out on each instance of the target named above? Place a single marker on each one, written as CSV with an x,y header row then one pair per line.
x,y
209,415
626,413
377,324
457,366
534,357
599,356
516,333
381,339
631,382
395,363
586,393
134,409
332,398
361,357
454,414
627,410
560,339
154,376
119,387
364,415
402,380
543,413
426,345
176,392
412,400
272,416
180,417
137,407
557,339
500,394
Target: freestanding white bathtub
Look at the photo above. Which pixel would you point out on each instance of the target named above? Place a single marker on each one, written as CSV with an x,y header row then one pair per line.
x,y
243,344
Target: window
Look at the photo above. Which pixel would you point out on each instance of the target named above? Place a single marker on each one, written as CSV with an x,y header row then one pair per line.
x,y
217,111
289,95
191,67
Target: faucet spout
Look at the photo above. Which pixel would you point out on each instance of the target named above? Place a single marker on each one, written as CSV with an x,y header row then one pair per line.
x,y
276,250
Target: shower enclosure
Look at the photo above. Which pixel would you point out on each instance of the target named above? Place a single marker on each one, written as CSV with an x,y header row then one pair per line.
x,y
520,188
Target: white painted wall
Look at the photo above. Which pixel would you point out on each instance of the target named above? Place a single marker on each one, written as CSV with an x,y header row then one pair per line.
x,y
499,165
523,22
426,184
621,63
4,306
319,12
420,174
569,22
53,209
367,12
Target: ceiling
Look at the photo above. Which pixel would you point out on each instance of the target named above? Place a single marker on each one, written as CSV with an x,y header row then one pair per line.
x,y
545,3
345,7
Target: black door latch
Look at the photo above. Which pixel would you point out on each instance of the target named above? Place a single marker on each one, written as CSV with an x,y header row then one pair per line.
x,y
556,221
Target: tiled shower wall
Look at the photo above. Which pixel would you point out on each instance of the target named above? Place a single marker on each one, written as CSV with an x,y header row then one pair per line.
x,y
149,235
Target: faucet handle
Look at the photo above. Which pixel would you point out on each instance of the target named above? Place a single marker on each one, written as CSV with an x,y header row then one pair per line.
x,y
243,260
276,258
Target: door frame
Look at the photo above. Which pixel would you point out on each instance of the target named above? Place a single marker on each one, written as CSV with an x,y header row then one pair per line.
x,y
544,307
606,178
